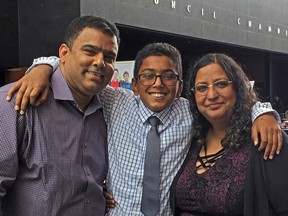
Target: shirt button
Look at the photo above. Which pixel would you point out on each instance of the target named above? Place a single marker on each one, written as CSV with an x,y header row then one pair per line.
x,y
85,145
87,201
88,173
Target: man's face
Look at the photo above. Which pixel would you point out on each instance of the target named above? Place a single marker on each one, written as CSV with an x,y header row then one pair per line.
x,y
157,97
89,65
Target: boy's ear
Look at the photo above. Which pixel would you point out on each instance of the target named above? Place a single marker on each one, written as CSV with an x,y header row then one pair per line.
x,y
180,88
135,86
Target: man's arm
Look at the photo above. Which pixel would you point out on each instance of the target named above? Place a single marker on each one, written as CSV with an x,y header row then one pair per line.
x,y
8,146
266,129
34,87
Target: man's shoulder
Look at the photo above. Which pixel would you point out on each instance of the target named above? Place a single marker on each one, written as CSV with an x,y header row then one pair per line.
x,y
3,93
7,107
6,87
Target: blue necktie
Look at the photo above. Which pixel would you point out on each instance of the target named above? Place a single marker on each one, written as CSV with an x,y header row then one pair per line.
x,y
150,197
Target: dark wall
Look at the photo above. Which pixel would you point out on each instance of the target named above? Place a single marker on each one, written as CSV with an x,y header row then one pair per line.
x,y
278,82
9,52
36,27
223,27
42,24
102,8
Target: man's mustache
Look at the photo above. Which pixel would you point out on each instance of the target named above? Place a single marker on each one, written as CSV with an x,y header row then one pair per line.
x,y
97,72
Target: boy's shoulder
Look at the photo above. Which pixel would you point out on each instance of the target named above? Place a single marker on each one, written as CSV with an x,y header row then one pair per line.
x,y
181,101
181,105
109,91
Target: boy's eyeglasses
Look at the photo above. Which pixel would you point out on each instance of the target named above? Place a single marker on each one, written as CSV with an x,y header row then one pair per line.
x,y
218,86
148,79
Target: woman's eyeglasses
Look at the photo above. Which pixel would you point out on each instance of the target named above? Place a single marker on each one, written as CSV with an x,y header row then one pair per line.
x,y
218,86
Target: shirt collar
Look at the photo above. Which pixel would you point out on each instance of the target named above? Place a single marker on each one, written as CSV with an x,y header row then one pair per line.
x,y
145,113
60,87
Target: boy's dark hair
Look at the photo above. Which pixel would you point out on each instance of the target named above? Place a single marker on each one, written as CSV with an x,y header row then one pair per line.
x,y
158,49
78,24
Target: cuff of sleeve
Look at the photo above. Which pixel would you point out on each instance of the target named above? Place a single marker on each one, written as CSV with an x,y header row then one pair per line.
x,y
261,108
53,61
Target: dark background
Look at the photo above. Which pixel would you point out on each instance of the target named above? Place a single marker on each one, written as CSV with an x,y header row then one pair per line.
x,y
35,28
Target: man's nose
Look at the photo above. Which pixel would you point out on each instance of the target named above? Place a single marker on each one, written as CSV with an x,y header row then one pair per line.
x,y
99,60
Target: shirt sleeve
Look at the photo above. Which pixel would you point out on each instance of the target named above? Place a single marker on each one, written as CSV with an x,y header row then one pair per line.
x,y
112,101
261,108
52,61
8,145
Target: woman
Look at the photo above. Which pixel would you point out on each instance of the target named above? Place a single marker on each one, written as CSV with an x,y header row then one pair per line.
x,y
223,173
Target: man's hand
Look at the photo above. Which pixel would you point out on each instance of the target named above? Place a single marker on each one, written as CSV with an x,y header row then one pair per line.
x,y
110,202
267,129
33,88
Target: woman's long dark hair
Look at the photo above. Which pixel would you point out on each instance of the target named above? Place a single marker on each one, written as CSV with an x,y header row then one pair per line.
x,y
239,128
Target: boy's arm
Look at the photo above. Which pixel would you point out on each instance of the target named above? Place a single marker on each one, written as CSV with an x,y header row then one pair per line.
x,y
33,88
52,61
266,129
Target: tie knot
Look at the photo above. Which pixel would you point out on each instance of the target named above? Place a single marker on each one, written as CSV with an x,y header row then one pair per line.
x,y
154,121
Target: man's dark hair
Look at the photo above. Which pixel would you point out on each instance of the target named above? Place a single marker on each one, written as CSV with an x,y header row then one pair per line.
x,y
158,49
78,24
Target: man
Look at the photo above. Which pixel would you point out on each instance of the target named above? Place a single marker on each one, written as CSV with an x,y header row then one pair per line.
x,y
53,159
127,123
125,83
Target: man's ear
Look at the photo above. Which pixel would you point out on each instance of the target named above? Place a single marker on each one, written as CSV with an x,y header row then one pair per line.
x,y
135,86
180,88
63,51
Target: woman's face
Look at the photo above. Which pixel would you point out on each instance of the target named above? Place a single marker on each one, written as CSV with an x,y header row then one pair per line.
x,y
217,102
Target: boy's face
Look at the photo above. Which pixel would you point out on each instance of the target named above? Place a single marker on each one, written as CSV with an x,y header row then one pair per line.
x,y
157,97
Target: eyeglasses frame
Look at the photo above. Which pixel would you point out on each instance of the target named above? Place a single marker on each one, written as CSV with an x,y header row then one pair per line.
x,y
156,76
208,86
